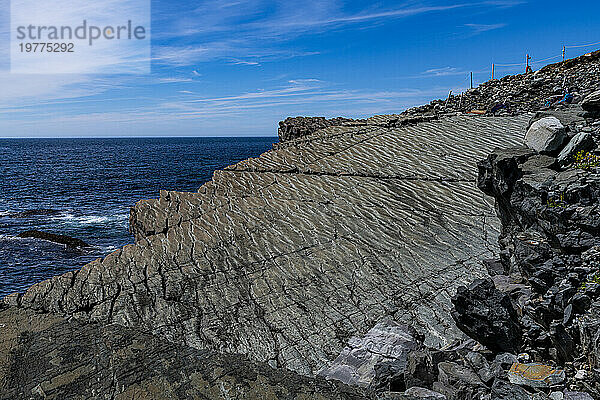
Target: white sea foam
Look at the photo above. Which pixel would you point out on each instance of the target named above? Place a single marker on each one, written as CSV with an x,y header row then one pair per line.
x,y
94,219
10,238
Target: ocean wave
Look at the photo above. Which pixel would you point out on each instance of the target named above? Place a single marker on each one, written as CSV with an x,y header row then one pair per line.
x,y
69,218
10,237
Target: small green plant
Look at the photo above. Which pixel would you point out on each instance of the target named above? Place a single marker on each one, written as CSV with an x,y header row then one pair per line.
x,y
586,160
594,279
557,202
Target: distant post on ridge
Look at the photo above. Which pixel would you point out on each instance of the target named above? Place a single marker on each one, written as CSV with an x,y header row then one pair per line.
x,y
564,52
493,70
528,68
471,80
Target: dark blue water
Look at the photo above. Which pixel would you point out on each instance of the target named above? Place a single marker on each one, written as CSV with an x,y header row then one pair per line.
x,y
90,185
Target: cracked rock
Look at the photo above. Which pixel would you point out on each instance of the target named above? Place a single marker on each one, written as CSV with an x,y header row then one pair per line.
x,y
488,316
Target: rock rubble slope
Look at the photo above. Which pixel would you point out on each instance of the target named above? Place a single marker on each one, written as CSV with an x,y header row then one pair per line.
x,y
284,257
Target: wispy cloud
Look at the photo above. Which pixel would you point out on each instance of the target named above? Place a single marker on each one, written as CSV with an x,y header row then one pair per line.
x,y
251,31
174,80
445,71
298,92
480,28
242,62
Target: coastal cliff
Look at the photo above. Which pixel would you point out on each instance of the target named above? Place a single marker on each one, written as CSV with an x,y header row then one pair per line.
x,y
348,232
286,256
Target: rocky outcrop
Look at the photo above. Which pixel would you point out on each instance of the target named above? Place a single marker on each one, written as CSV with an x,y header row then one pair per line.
x,y
67,241
46,357
550,252
299,127
537,315
581,142
34,213
557,84
592,102
285,257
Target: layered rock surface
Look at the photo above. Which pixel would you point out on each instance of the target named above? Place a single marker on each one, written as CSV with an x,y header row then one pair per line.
x,y
46,357
286,256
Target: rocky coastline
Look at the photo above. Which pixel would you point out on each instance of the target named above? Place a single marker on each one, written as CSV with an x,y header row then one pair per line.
x,y
448,252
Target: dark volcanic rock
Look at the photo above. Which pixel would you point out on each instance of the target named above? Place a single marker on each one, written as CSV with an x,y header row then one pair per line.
x,y
59,239
34,213
589,330
550,213
488,316
583,141
502,390
499,172
298,127
592,102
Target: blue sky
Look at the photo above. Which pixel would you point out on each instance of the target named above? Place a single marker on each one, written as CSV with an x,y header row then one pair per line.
x,y
237,67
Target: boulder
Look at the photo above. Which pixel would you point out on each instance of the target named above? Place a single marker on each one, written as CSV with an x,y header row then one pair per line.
x,y
592,102
34,213
581,142
59,239
500,170
577,396
546,135
502,390
378,359
453,374
535,375
487,315
563,342
423,394
420,370
570,116
589,331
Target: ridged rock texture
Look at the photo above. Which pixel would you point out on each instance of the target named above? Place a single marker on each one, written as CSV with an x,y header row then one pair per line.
x,y
284,257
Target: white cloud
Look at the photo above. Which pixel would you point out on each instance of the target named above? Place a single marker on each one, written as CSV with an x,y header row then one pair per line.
x,y
242,62
445,71
252,31
480,28
174,80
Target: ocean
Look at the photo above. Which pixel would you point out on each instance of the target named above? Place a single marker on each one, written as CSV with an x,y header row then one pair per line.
x,y
84,188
